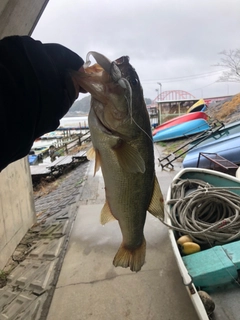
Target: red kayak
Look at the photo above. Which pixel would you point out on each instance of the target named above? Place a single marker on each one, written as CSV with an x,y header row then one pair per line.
x,y
181,119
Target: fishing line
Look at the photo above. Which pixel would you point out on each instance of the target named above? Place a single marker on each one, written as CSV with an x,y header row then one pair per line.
x,y
142,129
131,117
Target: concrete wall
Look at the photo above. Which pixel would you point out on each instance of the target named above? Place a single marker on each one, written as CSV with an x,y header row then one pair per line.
x,y
20,16
17,213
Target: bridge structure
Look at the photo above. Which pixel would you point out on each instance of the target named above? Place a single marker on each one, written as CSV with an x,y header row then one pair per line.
x,y
180,95
173,95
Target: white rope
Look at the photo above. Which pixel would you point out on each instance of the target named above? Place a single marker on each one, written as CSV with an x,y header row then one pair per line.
x,y
210,215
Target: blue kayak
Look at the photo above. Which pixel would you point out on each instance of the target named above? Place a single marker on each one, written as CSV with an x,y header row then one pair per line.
x,y
182,130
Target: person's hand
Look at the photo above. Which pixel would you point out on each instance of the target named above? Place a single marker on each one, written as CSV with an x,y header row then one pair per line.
x,y
66,61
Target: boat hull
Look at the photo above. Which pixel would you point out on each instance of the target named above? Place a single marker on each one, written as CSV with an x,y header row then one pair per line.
x,y
226,299
181,119
198,106
225,142
182,130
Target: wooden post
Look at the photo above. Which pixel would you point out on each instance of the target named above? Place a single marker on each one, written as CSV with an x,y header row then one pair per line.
x,y
66,149
79,140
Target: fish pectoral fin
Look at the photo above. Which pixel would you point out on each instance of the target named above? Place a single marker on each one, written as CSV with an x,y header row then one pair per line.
x,y
156,206
106,214
133,258
129,158
94,154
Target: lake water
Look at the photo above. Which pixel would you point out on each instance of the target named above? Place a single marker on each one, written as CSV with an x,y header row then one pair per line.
x,y
74,122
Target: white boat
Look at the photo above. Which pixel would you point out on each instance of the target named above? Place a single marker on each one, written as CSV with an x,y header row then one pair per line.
x,y
41,146
52,135
204,203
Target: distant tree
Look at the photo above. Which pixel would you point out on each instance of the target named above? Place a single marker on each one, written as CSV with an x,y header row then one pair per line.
x,y
83,105
148,101
231,60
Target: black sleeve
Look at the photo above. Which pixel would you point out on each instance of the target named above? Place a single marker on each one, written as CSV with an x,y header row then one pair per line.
x,y
36,91
64,61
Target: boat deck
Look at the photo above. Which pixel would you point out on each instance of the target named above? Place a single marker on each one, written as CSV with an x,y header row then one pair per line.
x,y
61,161
58,166
40,170
214,269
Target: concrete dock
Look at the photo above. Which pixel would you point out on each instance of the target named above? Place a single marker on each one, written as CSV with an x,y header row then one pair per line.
x,y
89,287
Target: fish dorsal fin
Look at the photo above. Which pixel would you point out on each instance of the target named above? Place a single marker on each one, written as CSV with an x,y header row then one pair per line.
x,y
129,158
156,206
94,154
106,214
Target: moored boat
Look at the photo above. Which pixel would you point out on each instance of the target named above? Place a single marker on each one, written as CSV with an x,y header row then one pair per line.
x,y
42,146
181,119
181,130
225,142
200,105
204,205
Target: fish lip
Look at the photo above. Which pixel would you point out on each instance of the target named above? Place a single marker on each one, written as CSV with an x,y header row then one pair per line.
x,y
103,61
112,68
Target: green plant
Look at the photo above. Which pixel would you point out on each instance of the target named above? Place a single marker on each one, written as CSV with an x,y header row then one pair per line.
x,y
3,278
3,275
162,143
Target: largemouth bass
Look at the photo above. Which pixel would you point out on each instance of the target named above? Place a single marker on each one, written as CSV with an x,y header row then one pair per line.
x,y
123,148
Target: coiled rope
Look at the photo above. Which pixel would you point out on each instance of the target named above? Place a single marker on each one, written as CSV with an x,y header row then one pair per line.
x,y
208,214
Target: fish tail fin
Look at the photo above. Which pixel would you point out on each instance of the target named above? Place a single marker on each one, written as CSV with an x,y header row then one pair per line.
x,y
134,259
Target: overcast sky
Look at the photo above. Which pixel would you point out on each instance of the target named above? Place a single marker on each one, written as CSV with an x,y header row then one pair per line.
x,y
174,42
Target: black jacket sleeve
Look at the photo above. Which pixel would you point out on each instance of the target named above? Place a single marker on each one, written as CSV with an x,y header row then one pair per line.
x,y
36,91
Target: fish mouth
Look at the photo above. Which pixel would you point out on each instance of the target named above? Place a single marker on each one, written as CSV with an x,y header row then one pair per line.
x,y
113,69
104,62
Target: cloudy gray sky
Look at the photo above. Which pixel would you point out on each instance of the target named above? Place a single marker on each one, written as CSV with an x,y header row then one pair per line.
x,y
174,42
